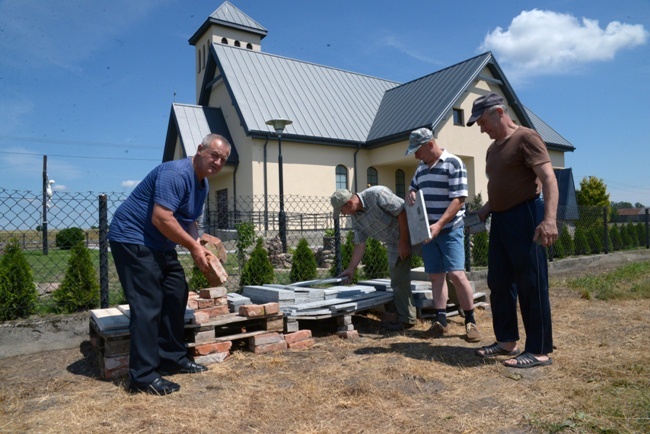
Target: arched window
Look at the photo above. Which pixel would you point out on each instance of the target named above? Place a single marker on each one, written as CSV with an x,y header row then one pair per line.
x,y
371,175
224,41
341,177
237,44
249,46
400,184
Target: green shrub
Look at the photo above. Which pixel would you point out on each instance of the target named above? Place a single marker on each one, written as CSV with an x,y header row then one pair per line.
x,y
480,242
66,239
580,243
416,261
258,270
375,260
197,280
595,240
615,238
626,237
564,245
245,239
346,255
79,290
303,264
18,293
641,233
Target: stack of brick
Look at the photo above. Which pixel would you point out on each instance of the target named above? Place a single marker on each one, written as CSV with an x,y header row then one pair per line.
x,y
208,304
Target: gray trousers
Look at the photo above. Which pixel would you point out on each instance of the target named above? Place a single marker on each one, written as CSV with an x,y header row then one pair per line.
x,y
400,281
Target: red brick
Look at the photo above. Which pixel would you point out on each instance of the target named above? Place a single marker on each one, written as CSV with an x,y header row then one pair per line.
x,y
192,295
114,367
266,338
215,347
269,348
216,311
216,274
249,310
205,303
298,336
348,334
214,245
221,301
301,344
271,308
192,304
201,317
213,292
212,358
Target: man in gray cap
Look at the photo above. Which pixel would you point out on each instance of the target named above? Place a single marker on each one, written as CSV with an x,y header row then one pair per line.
x,y
378,213
442,178
522,226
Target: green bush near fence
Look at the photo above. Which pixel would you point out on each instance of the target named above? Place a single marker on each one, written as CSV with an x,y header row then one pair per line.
x,y
79,290
18,293
303,265
66,239
197,280
375,260
480,242
258,270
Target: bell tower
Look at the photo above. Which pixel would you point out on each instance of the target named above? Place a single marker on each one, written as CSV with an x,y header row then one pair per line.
x,y
228,26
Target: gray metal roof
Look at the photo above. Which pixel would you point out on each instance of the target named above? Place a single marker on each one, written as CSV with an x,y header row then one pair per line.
x,y
323,102
192,123
551,137
228,15
329,105
424,102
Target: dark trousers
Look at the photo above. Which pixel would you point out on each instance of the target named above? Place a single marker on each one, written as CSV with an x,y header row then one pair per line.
x,y
517,270
156,290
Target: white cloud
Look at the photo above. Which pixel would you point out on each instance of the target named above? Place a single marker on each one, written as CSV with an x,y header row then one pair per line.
x,y
545,42
130,184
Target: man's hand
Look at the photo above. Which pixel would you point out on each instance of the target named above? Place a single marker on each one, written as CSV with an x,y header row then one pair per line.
x,y
484,212
410,198
546,233
201,257
347,274
404,247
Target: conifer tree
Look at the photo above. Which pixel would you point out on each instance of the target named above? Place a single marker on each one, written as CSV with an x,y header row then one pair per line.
x,y
375,260
258,270
79,290
581,245
18,292
303,265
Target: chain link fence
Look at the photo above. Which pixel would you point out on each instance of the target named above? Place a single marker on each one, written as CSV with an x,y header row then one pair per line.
x,y
245,225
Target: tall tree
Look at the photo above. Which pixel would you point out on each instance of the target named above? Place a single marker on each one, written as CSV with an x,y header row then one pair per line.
x,y
593,192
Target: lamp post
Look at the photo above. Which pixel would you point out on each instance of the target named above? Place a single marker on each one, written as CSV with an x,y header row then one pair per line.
x,y
278,125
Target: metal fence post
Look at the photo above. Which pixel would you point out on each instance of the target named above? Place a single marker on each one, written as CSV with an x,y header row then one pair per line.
x,y
647,235
103,251
606,230
337,247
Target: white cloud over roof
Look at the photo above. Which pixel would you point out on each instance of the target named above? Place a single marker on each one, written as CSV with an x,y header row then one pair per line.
x,y
546,42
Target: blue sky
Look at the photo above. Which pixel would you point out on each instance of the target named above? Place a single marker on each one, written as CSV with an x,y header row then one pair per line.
x,y
90,84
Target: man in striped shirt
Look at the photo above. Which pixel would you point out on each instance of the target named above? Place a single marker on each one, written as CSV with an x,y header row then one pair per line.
x,y
442,178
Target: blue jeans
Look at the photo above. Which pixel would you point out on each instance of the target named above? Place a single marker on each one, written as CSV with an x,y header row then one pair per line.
x,y
517,270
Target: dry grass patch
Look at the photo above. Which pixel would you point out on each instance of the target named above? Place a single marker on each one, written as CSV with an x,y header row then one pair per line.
x,y
380,383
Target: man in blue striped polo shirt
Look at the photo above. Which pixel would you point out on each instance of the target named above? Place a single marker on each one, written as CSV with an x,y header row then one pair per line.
x,y
442,178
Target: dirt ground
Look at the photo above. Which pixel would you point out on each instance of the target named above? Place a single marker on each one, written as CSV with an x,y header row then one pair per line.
x,y
380,383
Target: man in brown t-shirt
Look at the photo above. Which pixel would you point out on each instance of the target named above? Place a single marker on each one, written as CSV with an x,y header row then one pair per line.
x,y
522,225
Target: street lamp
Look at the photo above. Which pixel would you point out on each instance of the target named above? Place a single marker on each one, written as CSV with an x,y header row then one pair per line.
x,y
278,125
